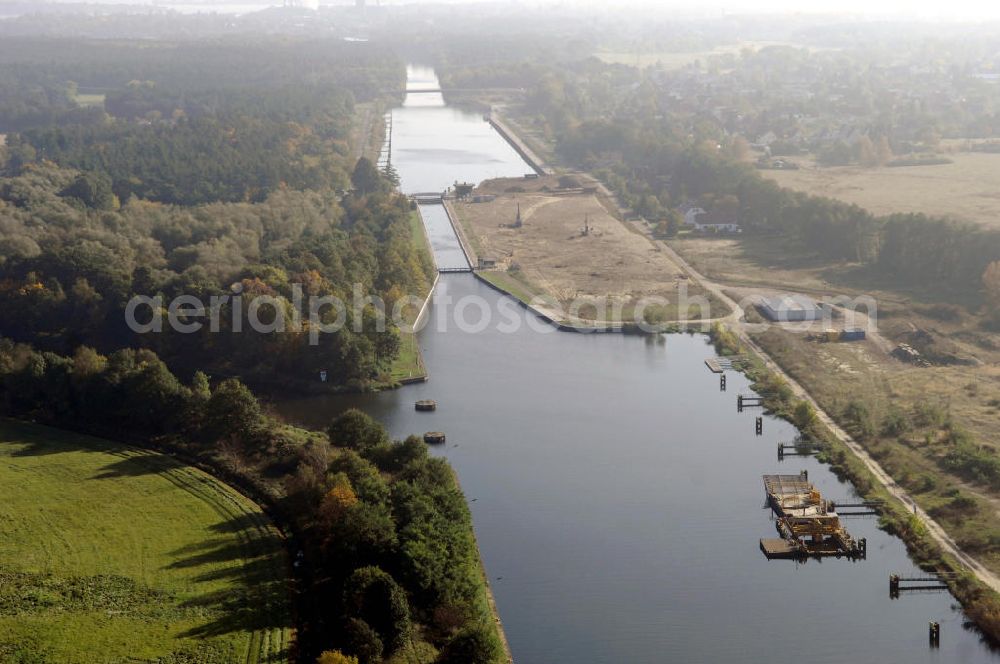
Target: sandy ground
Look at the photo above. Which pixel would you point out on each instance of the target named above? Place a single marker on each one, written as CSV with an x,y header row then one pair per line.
x,y
552,252
966,189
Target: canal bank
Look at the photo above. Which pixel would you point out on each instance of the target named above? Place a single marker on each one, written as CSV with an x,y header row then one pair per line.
x,y
968,579
525,152
616,491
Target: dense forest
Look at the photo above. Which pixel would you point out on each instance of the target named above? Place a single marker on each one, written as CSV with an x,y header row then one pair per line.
x,y
194,76
211,167
388,564
68,270
191,123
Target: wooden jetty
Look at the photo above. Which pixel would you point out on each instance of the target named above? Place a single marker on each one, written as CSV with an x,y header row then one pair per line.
x,y
899,583
725,363
805,522
791,449
748,401
858,508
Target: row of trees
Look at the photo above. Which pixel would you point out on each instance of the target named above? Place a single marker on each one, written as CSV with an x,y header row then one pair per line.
x,y
390,558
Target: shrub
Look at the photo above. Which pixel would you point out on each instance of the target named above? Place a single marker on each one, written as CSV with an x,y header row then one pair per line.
x,y
895,424
336,657
473,645
858,419
373,596
364,641
927,414
974,463
804,415
356,430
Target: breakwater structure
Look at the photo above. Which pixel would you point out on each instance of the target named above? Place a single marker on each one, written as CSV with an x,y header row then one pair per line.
x,y
807,523
522,149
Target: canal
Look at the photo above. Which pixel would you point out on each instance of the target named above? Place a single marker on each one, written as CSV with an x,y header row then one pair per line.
x,y
616,492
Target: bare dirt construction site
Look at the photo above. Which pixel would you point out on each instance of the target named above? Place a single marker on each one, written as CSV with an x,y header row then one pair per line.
x,y
570,246
965,189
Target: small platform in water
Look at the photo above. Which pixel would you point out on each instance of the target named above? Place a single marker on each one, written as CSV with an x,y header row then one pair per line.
x,y
779,548
725,363
434,437
425,405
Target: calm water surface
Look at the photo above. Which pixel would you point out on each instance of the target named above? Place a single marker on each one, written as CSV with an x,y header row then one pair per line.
x,y
616,492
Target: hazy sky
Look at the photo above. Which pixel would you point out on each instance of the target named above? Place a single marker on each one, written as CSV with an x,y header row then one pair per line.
x,y
926,9
967,9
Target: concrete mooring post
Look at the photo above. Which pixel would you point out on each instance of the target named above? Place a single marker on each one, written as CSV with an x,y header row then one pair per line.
x,y
760,425
934,634
722,382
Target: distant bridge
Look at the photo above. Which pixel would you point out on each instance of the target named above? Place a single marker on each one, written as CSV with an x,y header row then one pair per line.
x,y
428,197
420,91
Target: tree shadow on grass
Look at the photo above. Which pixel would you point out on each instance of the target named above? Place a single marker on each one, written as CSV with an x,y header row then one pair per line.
x,y
41,440
137,464
253,566
247,555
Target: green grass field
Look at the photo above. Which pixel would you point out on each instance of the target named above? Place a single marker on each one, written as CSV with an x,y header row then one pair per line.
x,y
112,554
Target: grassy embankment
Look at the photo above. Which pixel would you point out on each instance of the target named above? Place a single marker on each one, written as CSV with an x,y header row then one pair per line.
x,y
979,602
108,552
409,364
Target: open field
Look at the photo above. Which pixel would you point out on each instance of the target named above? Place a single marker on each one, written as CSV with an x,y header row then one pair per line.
x,y
750,261
552,254
111,554
678,59
965,189
88,101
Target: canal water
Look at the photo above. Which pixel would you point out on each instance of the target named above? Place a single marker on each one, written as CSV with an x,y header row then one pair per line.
x,y
616,492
